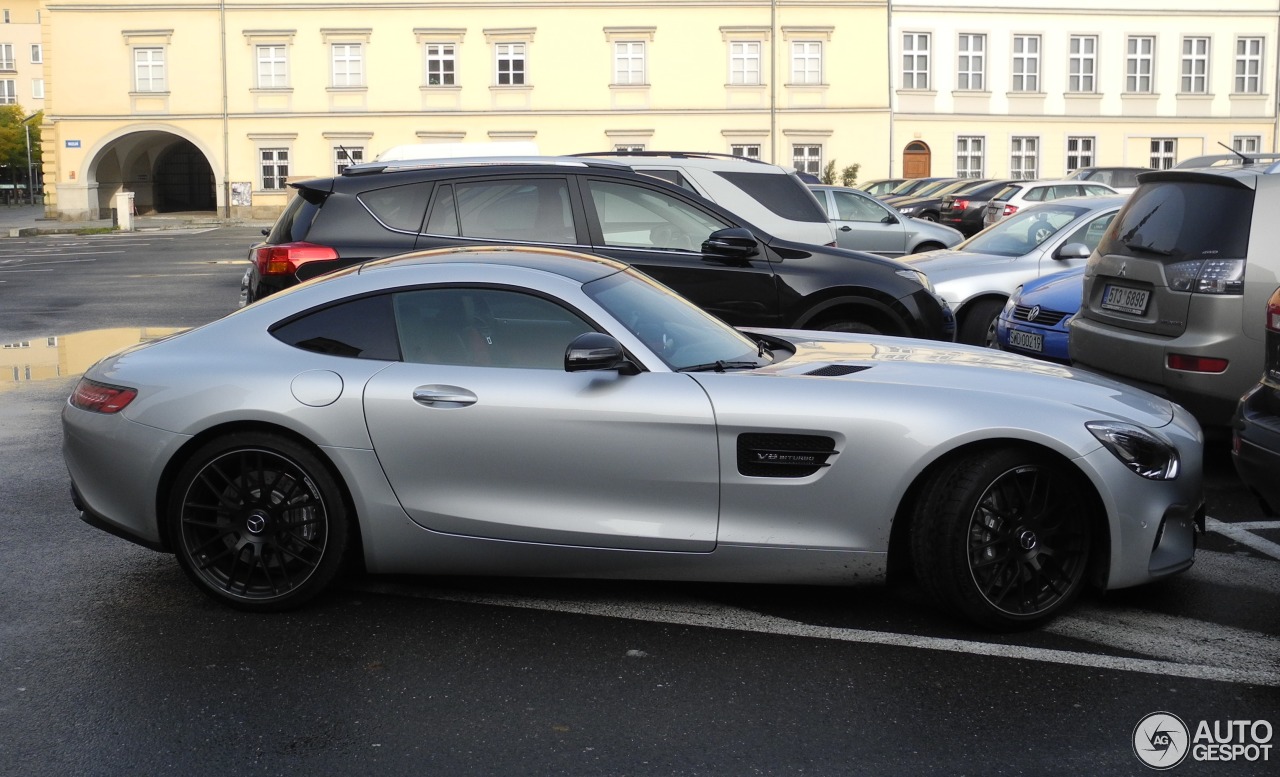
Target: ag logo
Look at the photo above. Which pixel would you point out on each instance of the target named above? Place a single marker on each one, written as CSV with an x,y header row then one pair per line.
x,y
1160,740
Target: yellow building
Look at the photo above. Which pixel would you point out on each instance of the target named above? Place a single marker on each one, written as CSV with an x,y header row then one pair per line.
x,y
198,105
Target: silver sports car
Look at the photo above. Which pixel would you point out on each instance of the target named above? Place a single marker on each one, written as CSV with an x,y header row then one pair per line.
x,y
539,412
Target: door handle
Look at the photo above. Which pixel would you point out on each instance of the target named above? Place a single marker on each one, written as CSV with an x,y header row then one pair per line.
x,y
443,396
846,228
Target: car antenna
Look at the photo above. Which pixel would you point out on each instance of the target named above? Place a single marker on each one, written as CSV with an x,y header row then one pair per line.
x,y
1244,160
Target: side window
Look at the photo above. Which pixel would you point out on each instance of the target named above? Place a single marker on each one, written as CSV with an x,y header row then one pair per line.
x,y
444,214
670,176
361,329
851,207
1036,194
399,207
1096,191
635,217
528,210
485,328
1091,234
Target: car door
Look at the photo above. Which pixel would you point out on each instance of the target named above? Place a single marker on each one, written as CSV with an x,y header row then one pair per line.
x,y
661,234
864,224
481,432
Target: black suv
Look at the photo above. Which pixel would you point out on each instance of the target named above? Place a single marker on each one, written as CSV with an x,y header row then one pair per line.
x,y
720,262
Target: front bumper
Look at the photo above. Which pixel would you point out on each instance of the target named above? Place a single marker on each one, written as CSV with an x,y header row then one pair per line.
x,y
1255,446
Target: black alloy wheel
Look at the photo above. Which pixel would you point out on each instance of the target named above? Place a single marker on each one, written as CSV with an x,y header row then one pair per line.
x,y
258,522
1004,537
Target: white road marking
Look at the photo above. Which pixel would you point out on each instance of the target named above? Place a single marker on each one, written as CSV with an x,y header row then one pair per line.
x,y
1243,534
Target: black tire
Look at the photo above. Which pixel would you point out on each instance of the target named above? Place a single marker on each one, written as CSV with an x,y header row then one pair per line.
x,y
850,326
927,247
978,326
928,215
258,522
1003,537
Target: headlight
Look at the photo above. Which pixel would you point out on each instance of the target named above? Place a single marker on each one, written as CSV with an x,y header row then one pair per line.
x,y
917,276
907,211
1141,450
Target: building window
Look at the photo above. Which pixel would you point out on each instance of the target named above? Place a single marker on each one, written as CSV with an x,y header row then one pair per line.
x,y
972,66
1195,66
915,60
744,62
273,67
807,158
510,64
8,91
628,62
1024,158
1138,62
628,148
6,57
1247,144
37,88
1248,66
275,168
1026,63
969,156
1083,64
348,64
346,156
442,64
806,62
148,70
1079,153
37,53
748,150
1164,152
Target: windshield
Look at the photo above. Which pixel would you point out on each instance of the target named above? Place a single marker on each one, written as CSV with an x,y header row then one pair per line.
x,y
682,335
1020,233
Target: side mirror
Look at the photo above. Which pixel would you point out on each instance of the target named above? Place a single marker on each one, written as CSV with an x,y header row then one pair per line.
x,y
734,243
890,219
266,231
597,351
1073,251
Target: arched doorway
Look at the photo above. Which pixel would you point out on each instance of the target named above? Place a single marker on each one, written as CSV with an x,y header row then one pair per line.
x,y
183,180
916,160
165,171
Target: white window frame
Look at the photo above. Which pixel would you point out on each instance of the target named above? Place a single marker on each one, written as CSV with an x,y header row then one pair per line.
x,y
1025,72
340,157
1247,144
1164,153
744,63
37,88
7,60
1024,157
443,55
971,156
1082,64
1195,65
1248,65
1081,151
746,150
971,63
806,62
149,69
628,148
275,159
1139,64
807,157
347,64
505,56
8,91
916,58
630,63
272,64
37,53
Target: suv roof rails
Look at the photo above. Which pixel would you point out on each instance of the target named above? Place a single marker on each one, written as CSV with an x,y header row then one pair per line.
x,y
674,155
1240,159
370,168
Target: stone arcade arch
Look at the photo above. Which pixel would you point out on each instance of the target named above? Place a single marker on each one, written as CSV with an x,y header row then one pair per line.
x,y
165,171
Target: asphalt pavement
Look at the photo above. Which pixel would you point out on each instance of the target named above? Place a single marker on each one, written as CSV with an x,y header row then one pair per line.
x,y
25,220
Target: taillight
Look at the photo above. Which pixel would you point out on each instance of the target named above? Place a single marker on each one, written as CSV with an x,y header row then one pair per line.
x,y
1207,276
1273,312
1178,361
1009,210
960,205
100,397
286,258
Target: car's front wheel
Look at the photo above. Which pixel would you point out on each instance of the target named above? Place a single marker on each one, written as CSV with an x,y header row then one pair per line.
x,y
1003,537
258,521
978,324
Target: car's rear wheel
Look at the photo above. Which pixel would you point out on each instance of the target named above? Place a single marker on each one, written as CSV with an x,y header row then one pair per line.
x,y
978,324
258,521
927,247
1003,537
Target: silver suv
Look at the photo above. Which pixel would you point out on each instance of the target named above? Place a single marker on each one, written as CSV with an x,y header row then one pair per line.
x,y
1174,292
771,197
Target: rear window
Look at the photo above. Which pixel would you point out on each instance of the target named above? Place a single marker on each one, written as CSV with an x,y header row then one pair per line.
x,y
399,207
784,195
1184,220
295,222
1006,193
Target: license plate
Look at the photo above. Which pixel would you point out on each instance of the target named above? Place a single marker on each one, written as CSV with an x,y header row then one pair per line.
x,y
1125,299
1027,341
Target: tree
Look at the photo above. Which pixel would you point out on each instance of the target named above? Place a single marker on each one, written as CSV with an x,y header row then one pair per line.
x,y
849,175
829,173
13,144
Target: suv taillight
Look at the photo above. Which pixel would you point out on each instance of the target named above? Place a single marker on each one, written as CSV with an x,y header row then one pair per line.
x,y
1009,210
1207,276
286,258
1273,312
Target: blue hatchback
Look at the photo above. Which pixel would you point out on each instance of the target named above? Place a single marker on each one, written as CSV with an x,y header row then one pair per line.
x,y
1034,321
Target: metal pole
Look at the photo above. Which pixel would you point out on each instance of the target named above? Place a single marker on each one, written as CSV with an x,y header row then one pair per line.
x,y
31,184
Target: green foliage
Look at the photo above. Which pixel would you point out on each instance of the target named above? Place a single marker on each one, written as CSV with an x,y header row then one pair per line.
x,y
829,173
849,175
13,138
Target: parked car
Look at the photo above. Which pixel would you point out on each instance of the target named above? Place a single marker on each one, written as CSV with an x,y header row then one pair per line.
x,y
539,412
1172,295
965,211
911,186
863,223
880,186
1122,179
773,198
1024,194
977,277
1256,426
728,265
1034,320
929,206
935,187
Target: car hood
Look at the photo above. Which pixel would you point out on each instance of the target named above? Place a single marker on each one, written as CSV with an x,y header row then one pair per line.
x,y
1061,291
962,368
947,262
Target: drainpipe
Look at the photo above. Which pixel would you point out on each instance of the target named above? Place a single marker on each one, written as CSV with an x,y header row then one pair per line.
x,y
773,81
889,57
226,136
